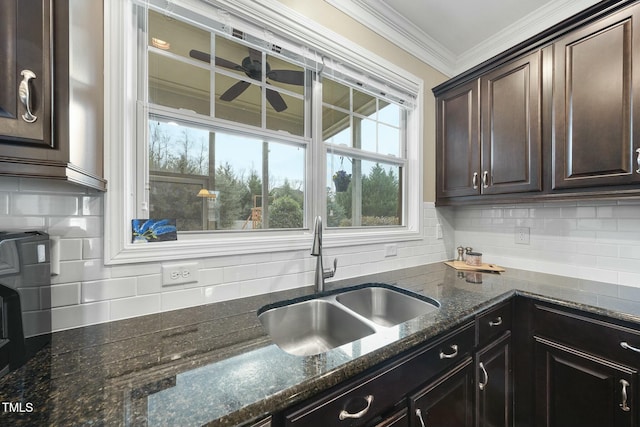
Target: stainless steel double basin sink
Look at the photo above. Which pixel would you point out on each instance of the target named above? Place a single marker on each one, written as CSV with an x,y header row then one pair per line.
x,y
321,323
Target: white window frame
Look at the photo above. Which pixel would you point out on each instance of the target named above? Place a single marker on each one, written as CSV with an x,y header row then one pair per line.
x,y
121,134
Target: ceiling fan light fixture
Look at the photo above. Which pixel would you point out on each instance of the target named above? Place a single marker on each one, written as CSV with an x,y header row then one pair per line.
x,y
160,44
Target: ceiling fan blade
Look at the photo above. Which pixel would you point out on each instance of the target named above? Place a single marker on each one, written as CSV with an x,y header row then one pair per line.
x,y
276,101
255,55
200,55
291,77
234,91
220,62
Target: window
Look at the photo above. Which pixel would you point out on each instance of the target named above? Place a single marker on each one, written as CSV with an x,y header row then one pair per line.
x,y
244,133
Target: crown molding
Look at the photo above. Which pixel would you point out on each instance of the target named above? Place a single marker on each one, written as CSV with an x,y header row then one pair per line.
x,y
521,30
385,21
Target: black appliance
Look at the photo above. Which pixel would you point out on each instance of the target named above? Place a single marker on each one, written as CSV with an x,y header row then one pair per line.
x,y
24,268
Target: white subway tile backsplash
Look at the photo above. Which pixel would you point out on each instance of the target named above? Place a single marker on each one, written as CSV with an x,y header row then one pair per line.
x,y
74,227
592,241
577,239
4,203
150,284
46,205
70,249
79,315
102,290
91,205
92,248
629,224
181,299
131,307
12,223
60,295
237,273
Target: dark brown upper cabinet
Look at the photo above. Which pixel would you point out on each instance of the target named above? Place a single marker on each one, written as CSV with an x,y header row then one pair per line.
x,y
25,72
488,132
51,97
597,84
511,129
555,117
458,145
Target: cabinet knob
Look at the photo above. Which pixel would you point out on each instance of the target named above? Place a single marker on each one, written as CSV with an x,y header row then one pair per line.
x,y
24,93
345,414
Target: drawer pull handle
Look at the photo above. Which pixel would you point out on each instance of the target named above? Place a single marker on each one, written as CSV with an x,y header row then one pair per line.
x,y
419,415
626,346
484,383
474,180
344,414
623,405
485,179
454,347
638,160
496,322
24,93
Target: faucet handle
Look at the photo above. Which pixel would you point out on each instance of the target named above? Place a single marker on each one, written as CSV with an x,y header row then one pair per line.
x,y
330,273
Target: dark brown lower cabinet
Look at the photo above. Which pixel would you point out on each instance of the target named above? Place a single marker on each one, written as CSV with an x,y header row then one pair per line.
x,y
494,384
578,389
447,401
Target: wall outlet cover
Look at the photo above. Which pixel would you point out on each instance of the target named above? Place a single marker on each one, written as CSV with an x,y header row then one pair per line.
x,y
178,274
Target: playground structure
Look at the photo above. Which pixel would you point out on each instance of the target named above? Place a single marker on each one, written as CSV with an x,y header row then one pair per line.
x,y
256,214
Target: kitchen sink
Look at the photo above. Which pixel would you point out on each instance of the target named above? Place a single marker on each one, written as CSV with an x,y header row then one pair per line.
x,y
330,320
384,306
312,327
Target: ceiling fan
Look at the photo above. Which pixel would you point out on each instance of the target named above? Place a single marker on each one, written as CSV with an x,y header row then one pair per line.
x,y
252,67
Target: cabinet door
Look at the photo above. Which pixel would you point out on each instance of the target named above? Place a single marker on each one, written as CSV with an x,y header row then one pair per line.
x,y
25,91
457,146
511,134
494,397
448,401
577,389
596,85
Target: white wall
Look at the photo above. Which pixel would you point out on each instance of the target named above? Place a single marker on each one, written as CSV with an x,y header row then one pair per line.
x,y
597,240
87,292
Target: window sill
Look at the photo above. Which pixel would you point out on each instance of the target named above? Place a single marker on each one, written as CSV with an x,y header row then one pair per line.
x,y
194,246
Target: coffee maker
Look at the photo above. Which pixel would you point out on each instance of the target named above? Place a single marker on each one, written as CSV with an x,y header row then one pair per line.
x,y
24,269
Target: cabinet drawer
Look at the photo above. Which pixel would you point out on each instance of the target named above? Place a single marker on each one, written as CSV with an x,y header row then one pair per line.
x,y
378,392
494,323
592,335
399,419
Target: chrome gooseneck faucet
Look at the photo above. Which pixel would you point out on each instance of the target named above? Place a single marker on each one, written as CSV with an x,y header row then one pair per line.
x,y
316,250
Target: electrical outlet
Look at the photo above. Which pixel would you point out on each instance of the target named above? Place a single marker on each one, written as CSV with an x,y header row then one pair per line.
x,y
177,274
438,231
390,250
522,235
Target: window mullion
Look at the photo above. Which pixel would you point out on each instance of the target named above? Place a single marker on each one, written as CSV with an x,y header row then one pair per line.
x,y
317,156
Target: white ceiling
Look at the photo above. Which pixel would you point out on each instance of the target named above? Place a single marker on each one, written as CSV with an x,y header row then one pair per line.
x,y
454,35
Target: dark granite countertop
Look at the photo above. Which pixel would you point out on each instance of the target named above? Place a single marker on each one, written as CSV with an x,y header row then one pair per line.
x,y
215,365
